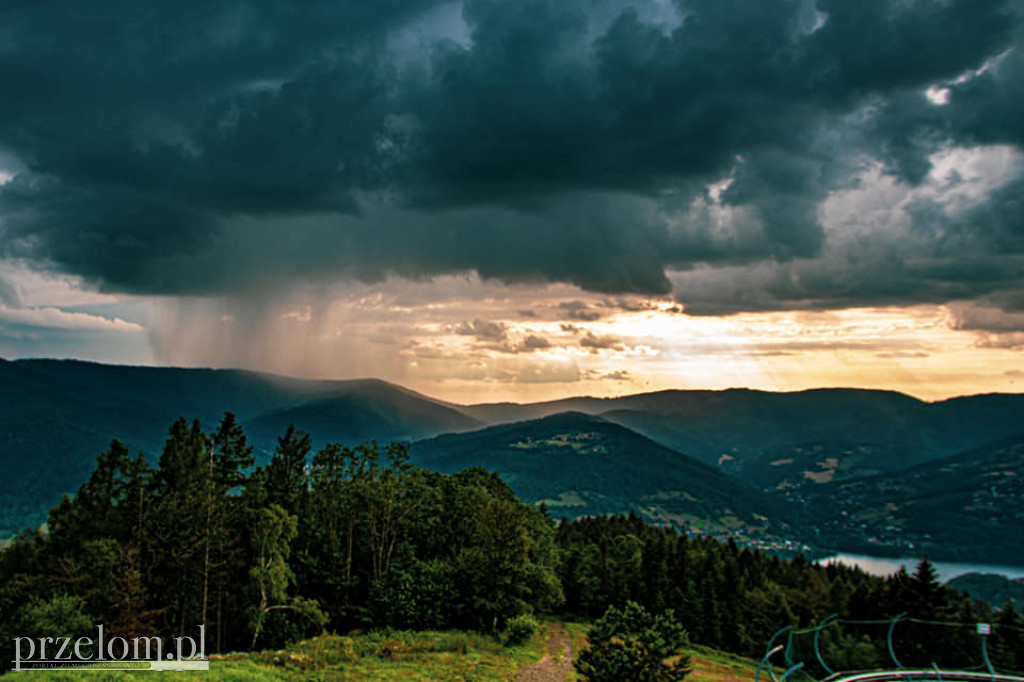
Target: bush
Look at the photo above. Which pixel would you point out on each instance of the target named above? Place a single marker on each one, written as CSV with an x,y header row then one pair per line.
x,y
520,629
632,645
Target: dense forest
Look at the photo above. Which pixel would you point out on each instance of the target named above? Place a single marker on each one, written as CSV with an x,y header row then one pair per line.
x,y
357,538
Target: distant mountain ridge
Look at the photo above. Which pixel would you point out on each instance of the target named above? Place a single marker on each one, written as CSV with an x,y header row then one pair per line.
x,y
55,416
779,440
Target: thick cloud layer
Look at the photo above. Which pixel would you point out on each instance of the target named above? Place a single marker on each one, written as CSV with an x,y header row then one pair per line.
x,y
217,147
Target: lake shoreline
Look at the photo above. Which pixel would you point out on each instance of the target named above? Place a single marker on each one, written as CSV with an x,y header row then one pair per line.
x,y
883,566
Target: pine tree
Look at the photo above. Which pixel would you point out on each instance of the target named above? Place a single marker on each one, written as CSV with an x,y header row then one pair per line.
x,y
286,482
179,518
232,453
109,504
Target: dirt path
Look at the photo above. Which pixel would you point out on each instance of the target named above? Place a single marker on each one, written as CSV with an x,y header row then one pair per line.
x,y
556,662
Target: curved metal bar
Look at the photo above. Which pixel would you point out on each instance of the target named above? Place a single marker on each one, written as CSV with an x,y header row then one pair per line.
x,y
791,671
771,651
984,654
891,675
892,654
757,677
817,634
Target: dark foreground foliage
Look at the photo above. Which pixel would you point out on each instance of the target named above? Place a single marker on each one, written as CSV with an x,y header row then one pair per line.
x,y
358,539
735,599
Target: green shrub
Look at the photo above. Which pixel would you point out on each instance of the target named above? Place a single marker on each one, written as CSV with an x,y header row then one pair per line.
x,y
634,645
520,629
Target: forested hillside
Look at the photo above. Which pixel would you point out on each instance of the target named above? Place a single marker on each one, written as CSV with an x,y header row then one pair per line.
x,y
580,465
789,470
362,539
58,414
776,439
965,507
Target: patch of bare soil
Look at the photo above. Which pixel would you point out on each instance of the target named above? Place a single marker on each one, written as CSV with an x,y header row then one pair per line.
x,y
556,662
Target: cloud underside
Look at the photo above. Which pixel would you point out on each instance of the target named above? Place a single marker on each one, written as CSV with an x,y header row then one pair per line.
x,y
745,156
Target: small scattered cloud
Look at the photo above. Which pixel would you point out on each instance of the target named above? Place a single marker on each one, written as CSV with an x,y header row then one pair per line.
x,y
632,305
55,318
533,342
580,311
902,354
596,343
483,329
1007,341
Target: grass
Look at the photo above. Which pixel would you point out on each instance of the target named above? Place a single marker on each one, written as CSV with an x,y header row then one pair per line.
x,y
569,498
707,664
712,665
393,656
374,657
578,637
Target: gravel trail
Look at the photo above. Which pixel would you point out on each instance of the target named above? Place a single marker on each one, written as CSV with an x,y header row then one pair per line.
x,y
556,662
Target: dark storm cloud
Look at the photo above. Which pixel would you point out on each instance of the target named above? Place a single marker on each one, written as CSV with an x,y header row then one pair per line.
x,y
217,147
846,283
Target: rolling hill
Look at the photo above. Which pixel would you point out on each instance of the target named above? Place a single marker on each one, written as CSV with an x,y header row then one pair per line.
x,y
819,453
969,506
997,590
582,465
56,416
367,410
785,440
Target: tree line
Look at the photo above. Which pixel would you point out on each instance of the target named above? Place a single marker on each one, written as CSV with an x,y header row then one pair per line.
x,y
735,599
353,538
357,538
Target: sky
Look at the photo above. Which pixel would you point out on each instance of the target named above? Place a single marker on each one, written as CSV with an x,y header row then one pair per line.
x,y
520,199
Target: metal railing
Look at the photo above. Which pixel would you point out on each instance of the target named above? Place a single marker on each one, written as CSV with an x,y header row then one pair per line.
x,y
921,643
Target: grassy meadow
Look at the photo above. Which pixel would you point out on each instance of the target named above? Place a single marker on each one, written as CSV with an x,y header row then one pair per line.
x,y
392,656
376,656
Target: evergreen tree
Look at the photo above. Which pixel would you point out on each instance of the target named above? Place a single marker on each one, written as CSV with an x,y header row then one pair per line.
x,y
224,556
111,503
1007,639
175,547
286,482
232,454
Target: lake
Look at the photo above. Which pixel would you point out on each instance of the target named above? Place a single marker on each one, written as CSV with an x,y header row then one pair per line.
x,y
883,566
